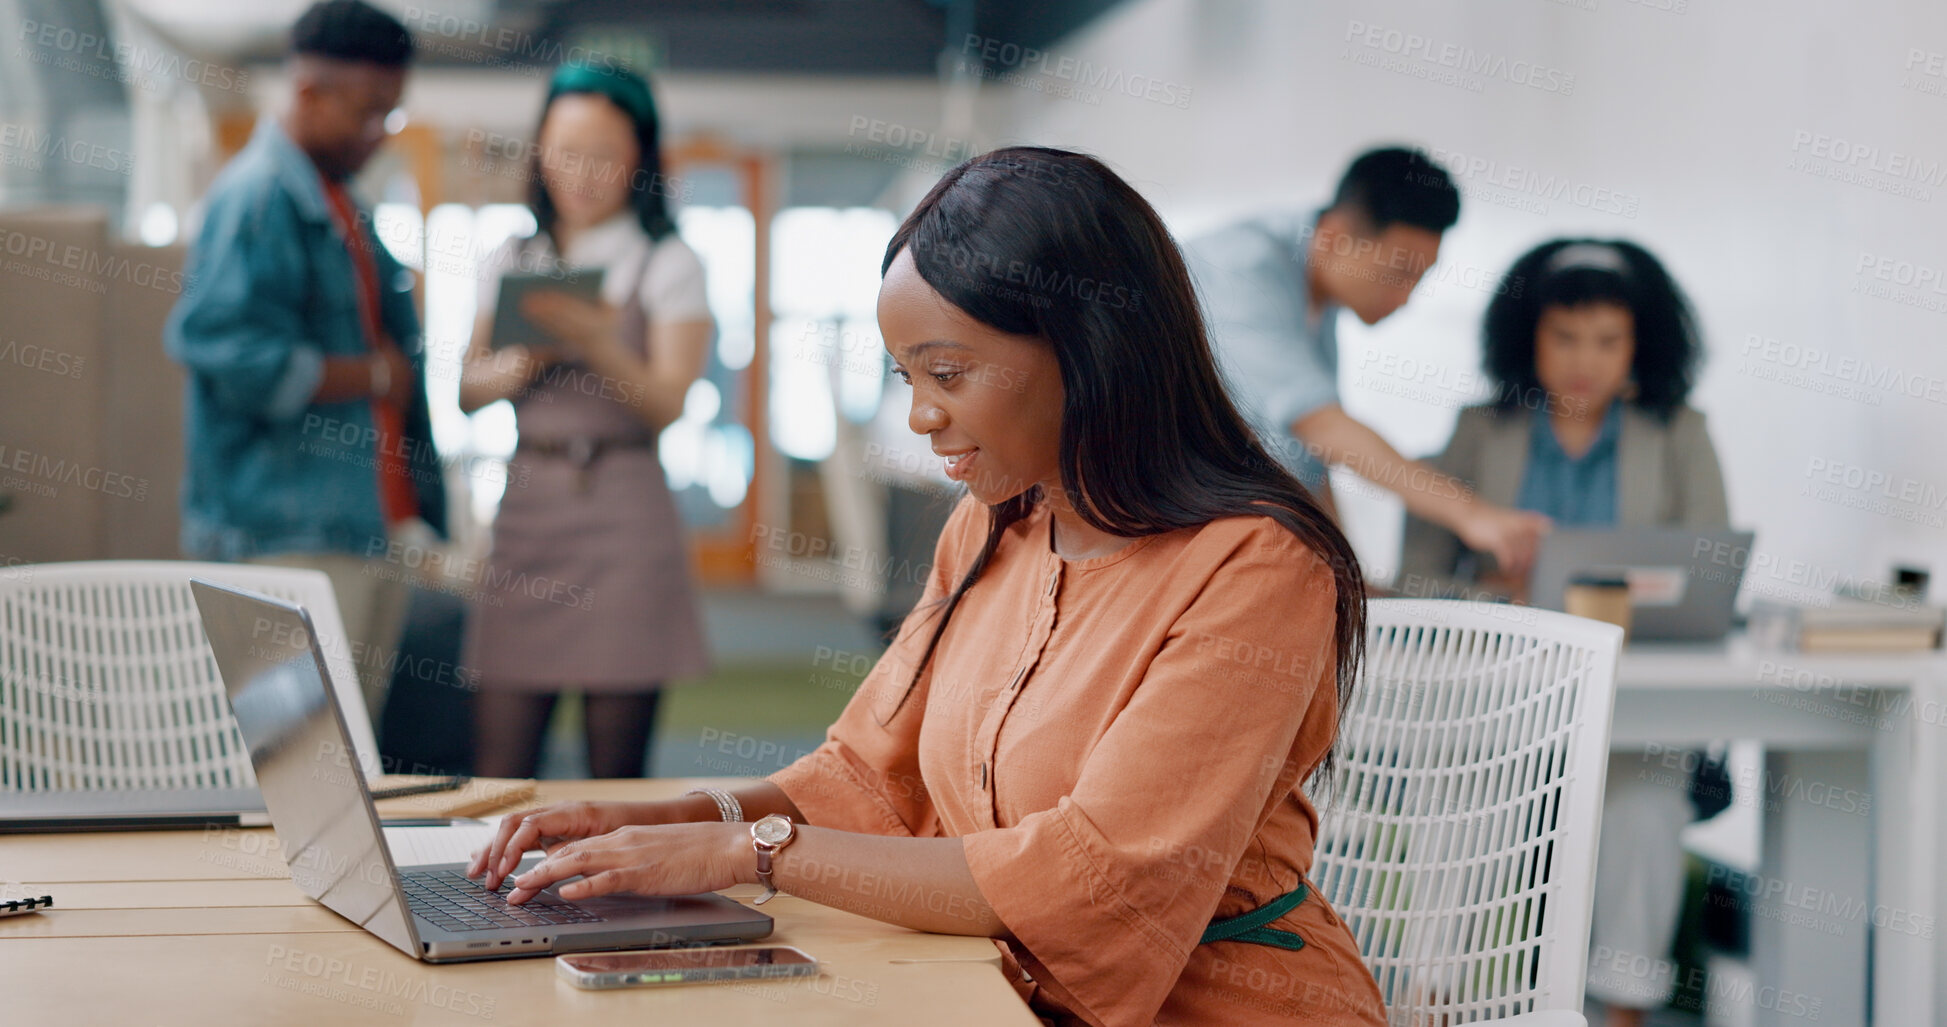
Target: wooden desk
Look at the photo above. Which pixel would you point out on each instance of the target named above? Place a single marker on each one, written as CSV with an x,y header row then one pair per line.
x,y
204,928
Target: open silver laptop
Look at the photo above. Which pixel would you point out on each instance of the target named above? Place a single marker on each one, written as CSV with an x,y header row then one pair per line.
x,y
1683,582
319,803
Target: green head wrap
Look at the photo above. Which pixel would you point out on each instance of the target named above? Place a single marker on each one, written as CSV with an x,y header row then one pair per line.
x,y
626,88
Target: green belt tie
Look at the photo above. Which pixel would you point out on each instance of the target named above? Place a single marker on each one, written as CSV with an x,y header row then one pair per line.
x,y
1250,926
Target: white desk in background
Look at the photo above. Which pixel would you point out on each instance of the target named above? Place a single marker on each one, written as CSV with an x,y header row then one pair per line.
x,y
1851,798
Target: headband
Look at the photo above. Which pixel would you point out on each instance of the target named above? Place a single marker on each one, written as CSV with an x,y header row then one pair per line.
x,y
1597,256
626,88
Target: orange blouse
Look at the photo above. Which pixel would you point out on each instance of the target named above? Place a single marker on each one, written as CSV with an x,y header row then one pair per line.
x,y
1118,741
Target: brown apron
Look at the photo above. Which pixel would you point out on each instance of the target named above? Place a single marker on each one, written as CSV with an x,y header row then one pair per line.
x,y
588,586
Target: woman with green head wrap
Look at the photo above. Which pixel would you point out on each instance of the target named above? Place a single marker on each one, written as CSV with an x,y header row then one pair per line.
x,y
588,585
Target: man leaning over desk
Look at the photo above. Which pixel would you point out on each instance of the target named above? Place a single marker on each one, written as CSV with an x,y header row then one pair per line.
x,y
1272,288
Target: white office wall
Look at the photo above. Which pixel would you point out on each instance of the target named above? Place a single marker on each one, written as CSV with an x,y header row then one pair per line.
x,y
1695,131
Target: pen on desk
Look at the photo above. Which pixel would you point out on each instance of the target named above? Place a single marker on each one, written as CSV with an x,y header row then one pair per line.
x,y
16,907
447,784
427,821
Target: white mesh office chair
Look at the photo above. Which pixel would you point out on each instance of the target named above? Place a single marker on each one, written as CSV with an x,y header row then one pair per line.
x,y
107,680
1459,837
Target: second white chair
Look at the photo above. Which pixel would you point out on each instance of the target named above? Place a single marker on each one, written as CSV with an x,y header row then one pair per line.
x,y
107,681
1458,839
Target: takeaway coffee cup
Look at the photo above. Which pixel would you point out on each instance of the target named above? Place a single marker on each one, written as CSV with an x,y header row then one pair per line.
x,y
1603,597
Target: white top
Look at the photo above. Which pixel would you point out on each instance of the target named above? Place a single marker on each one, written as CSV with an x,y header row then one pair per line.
x,y
672,283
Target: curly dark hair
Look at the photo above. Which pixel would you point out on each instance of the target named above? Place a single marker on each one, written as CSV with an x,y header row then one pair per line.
x,y
1668,346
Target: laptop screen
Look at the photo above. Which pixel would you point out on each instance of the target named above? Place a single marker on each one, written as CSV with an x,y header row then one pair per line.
x,y
273,674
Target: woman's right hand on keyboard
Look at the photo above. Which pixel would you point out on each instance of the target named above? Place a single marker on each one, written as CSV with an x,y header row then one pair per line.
x,y
549,826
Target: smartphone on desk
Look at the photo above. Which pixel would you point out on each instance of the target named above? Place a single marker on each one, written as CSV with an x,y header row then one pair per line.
x,y
683,966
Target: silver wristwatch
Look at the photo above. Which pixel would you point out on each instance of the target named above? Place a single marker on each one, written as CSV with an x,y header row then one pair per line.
x,y
769,836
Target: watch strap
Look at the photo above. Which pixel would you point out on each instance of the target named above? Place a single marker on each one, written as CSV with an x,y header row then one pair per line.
x,y
765,852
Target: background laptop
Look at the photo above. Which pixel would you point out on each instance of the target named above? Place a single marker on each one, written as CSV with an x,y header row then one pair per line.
x,y
1683,582
120,810
273,675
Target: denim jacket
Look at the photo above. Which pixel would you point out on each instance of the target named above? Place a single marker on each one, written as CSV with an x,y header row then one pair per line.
x,y
270,293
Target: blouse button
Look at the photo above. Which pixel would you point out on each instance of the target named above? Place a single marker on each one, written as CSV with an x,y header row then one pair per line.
x,y
983,774
1054,576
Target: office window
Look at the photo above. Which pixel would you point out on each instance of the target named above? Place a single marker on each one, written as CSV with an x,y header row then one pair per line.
x,y
708,453
455,240
827,360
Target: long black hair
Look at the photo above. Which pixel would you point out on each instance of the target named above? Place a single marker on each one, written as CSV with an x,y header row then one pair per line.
x,y
629,92
1573,272
1052,244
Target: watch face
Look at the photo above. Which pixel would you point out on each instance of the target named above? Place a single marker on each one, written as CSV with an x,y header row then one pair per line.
x,y
772,830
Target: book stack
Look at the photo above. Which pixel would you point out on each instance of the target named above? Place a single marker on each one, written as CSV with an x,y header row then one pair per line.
x,y
1848,625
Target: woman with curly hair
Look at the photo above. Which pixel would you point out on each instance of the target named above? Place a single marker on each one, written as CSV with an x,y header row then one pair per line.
x,y
1592,351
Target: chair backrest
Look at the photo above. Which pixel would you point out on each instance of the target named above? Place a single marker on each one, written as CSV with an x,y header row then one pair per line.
x,y
1458,839
107,680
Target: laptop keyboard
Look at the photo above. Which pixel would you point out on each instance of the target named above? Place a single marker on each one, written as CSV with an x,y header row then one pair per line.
x,y
448,899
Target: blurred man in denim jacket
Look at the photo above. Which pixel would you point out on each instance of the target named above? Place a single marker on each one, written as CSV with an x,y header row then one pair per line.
x,y
308,440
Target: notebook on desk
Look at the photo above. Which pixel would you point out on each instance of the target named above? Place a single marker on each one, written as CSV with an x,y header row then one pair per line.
x,y
321,807
479,796
424,846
